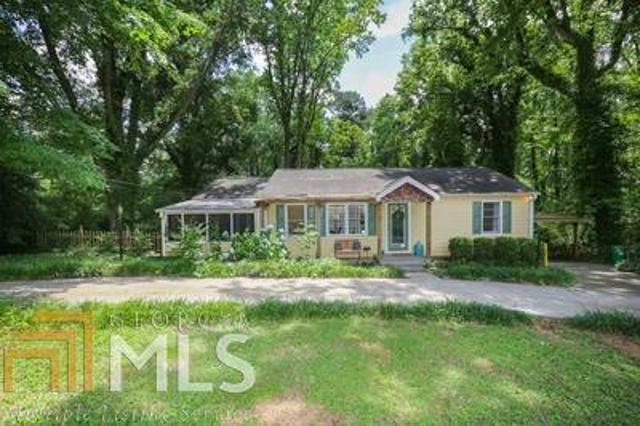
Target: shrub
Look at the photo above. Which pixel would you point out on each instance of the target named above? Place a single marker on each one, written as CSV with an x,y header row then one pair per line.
x,y
461,249
140,243
192,246
507,251
483,249
512,274
263,245
609,322
528,251
108,243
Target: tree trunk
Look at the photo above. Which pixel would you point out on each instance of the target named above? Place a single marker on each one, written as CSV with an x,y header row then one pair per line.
x,y
595,153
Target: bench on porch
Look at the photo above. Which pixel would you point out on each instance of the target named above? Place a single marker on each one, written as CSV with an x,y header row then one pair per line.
x,y
348,249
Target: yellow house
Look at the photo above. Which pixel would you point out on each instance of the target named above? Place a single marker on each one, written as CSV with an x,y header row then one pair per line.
x,y
363,212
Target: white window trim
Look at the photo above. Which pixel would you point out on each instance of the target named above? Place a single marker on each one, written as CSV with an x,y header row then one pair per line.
x,y
286,216
346,219
483,202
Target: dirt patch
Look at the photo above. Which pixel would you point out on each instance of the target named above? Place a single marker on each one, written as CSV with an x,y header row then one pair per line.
x,y
483,364
376,349
290,410
547,327
624,344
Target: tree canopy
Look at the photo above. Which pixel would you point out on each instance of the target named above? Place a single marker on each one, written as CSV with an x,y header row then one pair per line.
x,y
139,104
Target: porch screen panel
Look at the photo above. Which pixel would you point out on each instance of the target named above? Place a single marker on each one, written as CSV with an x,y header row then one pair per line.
x,y
220,227
243,222
174,227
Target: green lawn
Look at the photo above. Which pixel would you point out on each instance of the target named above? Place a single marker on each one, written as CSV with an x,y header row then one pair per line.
x,y
54,265
473,271
351,364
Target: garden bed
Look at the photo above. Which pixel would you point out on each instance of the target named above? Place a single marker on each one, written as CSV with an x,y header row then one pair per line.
x,y
545,276
52,265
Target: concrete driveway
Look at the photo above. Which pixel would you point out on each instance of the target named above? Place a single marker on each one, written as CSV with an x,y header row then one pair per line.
x,y
595,291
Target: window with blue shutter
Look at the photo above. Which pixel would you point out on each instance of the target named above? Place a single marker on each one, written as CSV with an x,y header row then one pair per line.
x,y
322,228
477,217
506,217
371,226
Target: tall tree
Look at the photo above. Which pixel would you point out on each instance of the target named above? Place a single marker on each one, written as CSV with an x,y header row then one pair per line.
x,y
349,105
463,84
305,44
217,137
573,47
131,70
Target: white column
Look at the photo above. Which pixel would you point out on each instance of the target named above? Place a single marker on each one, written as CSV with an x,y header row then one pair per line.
x,y
163,233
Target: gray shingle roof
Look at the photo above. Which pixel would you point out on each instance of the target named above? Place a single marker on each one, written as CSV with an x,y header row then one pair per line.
x,y
367,182
242,193
233,193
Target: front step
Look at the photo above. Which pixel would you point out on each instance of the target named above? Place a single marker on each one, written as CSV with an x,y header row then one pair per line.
x,y
405,262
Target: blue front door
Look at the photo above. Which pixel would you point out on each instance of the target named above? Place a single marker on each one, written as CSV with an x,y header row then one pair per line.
x,y
397,226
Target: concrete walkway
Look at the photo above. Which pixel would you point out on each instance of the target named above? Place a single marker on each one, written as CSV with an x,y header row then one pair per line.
x,y
536,300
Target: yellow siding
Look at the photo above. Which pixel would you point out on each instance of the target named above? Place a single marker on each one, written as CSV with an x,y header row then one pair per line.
x,y
452,216
418,219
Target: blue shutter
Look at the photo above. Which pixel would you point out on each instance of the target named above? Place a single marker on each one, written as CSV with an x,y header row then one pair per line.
x,y
280,218
477,217
321,221
371,226
506,217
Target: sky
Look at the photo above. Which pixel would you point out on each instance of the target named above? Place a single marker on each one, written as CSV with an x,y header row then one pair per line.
x,y
375,73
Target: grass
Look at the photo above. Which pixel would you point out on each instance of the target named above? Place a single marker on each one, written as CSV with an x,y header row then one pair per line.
x,y
608,322
352,364
551,275
51,265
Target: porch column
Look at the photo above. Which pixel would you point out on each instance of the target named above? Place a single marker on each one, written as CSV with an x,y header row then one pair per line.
x,y
163,233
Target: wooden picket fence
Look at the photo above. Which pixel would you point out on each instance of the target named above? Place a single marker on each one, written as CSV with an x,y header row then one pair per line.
x,y
48,240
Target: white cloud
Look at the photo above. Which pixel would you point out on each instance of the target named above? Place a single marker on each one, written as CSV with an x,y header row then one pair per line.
x,y
397,19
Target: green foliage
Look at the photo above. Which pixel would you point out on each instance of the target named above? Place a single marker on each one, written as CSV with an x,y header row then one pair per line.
x,y
75,265
347,145
608,322
527,251
461,249
308,241
507,251
264,245
484,249
140,243
275,310
306,44
517,274
192,246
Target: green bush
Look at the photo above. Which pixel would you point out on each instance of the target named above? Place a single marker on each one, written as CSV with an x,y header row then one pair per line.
x,y
461,249
483,249
140,243
48,266
192,246
515,274
608,322
263,245
528,251
507,251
